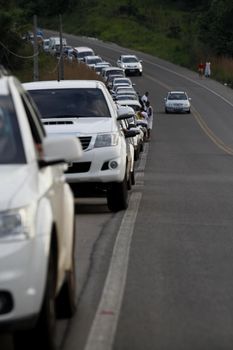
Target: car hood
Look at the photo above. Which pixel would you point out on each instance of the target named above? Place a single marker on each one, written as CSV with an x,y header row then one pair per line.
x,y
177,102
80,126
132,64
17,183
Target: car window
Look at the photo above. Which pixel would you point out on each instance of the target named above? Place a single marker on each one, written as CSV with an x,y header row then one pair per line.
x,y
129,59
84,54
11,145
177,96
80,103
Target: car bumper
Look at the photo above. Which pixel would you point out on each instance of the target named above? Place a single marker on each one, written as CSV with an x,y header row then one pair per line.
x,y
101,165
133,71
178,109
23,270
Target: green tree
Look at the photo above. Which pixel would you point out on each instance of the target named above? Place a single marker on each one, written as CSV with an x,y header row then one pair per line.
x,y
216,27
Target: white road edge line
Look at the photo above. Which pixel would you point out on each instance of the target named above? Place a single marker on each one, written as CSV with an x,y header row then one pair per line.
x,y
102,333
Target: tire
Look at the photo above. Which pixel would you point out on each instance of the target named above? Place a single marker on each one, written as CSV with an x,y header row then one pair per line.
x,y
166,111
136,154
66,303
117,196
42,336
132,174
129,182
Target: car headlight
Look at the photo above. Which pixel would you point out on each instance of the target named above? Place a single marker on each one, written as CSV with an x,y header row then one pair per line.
x,y
106,140
16,225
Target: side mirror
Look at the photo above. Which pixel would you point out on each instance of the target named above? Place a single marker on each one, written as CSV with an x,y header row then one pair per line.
x,y
135,129
130,133
58,149
125,113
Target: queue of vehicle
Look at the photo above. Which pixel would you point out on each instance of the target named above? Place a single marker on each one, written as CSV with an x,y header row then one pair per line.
x,y
65,139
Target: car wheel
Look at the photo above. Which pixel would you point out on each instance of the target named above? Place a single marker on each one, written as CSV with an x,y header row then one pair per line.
x,y
132,174
136,154
140,73
66,301
166,111
117,196
42,336
141,147
189,111
129,182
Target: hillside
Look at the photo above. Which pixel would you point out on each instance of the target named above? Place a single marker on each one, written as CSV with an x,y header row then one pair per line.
x,y
181,31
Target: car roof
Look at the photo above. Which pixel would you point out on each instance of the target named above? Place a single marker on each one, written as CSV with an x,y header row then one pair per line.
x,y
128,55
129,102
63,84
112,68
177,92
92,57
83,48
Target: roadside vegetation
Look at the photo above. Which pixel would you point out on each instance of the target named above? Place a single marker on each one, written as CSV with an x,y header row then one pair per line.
x,y
181,31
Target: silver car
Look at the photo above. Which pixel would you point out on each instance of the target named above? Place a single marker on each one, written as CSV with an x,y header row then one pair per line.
x,y
177,102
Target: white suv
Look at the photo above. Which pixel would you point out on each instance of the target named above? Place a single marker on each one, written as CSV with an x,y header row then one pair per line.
x,y
131,64
85,108
37,276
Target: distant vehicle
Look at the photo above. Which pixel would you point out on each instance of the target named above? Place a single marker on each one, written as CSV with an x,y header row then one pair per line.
x,y
37,222
112,71
124,92
177,102
91,61
54,45
135,104
82,51
46,45
110,79
131,64
100,66
85,108
123,97
122,80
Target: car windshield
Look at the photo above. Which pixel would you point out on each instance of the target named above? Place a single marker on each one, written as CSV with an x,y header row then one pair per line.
x,y
93,60
129,59
11,146
177,96
121,81
126,97
76,102
114,72
84,54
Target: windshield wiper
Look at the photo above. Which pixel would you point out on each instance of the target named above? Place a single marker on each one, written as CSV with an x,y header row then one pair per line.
x,y
62,116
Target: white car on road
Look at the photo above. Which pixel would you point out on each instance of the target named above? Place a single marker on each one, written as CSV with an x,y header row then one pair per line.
x,y
131,64
177,102
37,223
85,109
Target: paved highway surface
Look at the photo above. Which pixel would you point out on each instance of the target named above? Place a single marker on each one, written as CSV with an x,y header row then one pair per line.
x,y
160,275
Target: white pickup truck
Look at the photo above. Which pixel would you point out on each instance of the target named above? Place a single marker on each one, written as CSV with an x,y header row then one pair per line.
x,y
85,108
54,45
37,223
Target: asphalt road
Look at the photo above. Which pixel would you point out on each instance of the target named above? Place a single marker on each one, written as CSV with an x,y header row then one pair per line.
x,y
169,258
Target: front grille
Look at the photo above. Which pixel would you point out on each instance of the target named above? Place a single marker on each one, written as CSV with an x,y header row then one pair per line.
x,y
57,122
85,141
80,167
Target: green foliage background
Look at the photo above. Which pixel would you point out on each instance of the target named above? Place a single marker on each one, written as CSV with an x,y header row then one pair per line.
x,y
181,31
